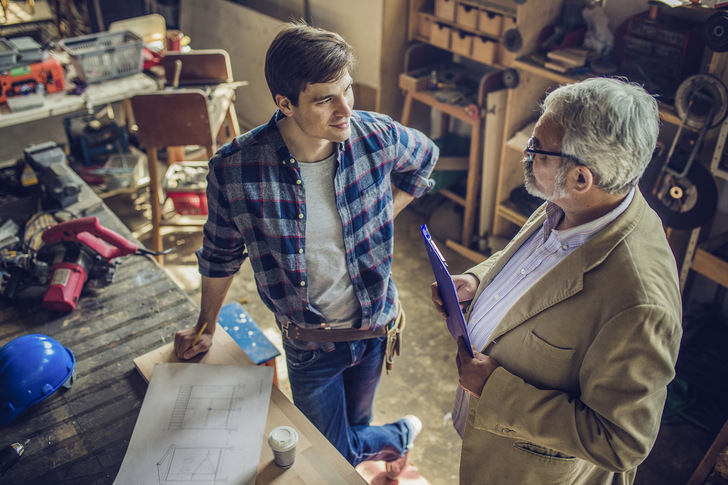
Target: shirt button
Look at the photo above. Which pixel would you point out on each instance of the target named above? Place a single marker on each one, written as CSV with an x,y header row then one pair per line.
x,y
564,247
523,270
300,216
496,297
298,181
300,251
292,160
303,283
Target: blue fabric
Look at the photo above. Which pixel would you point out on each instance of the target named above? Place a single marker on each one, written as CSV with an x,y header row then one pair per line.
x,y
335,391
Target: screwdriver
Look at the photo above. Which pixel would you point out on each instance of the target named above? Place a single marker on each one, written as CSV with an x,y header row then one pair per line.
x,y
10,455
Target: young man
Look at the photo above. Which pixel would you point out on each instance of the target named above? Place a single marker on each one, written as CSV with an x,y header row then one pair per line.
x,y
310,198
578,319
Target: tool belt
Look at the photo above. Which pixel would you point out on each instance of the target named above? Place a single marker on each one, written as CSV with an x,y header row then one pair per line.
x,y
393,334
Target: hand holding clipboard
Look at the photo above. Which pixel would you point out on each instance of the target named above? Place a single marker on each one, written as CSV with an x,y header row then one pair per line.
x,y
455,319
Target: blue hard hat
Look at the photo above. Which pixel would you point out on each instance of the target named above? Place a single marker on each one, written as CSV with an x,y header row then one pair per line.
x,y
32,367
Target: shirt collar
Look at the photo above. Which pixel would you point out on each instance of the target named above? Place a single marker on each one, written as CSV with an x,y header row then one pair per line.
x,y
283,153
578,235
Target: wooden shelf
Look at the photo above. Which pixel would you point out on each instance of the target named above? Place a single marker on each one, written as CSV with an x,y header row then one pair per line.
x,y
490,80
534,68
710,265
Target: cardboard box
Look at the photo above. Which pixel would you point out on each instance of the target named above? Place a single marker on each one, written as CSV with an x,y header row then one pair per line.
x,y
424,25
490,23
440,35
467,16
414,82
445,9
461,43
484,50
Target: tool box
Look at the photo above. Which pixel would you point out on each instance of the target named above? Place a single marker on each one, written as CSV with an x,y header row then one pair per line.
x,y
24,79
92,138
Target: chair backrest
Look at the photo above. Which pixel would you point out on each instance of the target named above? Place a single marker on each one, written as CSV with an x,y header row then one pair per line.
x,y
150,27
199,67
172,118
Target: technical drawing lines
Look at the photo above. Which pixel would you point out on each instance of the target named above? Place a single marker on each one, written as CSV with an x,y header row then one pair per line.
x,y
206,407
189,464
180,407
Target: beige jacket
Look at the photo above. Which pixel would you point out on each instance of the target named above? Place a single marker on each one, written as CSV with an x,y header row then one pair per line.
x,y
586,356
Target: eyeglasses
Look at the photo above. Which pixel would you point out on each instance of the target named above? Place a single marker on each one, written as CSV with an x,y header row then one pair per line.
x,y
530,150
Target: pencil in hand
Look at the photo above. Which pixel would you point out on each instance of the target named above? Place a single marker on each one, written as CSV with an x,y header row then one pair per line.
x,y
194,342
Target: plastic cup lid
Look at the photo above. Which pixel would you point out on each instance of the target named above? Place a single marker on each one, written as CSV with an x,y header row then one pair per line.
x,y
283,438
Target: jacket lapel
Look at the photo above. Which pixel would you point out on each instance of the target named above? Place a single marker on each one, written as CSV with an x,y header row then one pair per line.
x,y
567,277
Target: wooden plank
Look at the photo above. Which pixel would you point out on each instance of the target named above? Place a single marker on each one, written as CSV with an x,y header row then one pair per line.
x,y
473,256
711,456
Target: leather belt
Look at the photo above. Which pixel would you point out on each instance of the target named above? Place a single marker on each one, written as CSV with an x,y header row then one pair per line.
x,y
325,335
393,333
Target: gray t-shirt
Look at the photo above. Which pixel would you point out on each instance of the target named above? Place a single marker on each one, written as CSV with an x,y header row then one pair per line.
x,y
330,289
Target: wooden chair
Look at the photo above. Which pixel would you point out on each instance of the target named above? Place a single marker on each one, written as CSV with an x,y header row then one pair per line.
x,y
203,116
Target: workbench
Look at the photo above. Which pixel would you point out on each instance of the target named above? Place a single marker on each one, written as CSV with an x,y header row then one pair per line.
x,y
80,435
99,94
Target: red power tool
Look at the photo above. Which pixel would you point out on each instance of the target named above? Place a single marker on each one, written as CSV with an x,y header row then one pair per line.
x,y
80,252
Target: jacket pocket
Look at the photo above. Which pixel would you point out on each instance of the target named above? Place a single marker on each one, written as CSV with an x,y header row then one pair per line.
x,y
544,465
542,452
544,349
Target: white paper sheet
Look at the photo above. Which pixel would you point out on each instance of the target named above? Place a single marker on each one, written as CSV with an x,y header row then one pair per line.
x,y
201,424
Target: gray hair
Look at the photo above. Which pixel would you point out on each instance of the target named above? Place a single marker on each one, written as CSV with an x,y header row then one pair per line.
x,y
610,126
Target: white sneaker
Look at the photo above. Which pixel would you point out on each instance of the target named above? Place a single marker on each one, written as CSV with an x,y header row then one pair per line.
x,y
415,426
396,467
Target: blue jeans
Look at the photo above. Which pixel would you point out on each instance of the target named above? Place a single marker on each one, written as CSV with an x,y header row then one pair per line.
x,y
335,391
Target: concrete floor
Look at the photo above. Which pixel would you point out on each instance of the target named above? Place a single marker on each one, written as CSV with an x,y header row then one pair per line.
x,y
424,377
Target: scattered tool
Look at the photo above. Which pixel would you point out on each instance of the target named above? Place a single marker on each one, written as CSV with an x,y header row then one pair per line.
x,y
50,165
75,254
9,456
81,252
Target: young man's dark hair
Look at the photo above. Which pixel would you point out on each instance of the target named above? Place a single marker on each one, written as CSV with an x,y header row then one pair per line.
x,y
301,55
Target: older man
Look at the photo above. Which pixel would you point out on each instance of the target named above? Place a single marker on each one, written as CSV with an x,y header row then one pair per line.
x,y
578,319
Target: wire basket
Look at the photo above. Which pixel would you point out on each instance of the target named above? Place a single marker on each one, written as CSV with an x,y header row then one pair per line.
x,y
106,55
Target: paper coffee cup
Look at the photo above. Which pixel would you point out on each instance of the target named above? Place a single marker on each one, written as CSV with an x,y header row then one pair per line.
x,y
283,440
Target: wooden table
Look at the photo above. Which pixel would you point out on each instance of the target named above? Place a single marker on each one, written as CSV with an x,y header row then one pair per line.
x,y
80,435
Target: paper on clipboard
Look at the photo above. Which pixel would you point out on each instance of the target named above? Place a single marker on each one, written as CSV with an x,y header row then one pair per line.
x,y
455,319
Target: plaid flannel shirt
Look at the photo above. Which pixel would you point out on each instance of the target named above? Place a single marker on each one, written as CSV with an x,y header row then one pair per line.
x,y
257,209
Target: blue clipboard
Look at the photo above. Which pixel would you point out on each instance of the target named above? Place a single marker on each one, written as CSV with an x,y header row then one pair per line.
x,y
455,319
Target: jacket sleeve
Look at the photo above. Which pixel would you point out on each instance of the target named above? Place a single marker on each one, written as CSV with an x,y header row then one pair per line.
x,y
623,379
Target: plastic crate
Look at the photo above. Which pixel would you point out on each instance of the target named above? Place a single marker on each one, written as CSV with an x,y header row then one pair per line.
x,y
8,54
106,55
185,183
189,203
